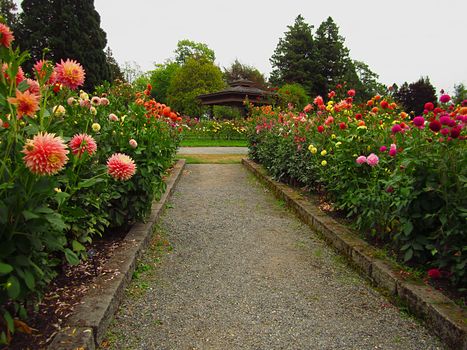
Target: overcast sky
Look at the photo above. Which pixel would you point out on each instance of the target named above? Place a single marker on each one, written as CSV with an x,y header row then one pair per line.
x,y
400,40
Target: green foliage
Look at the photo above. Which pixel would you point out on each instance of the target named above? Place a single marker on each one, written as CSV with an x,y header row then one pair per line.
x,y
239,71
226,112
195,77
187,49
160,79
293,60
293,94
367,84
460,93
205,129
72,31
414,96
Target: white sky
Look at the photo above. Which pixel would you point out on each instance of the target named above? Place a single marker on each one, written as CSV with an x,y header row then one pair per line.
x,y
400,40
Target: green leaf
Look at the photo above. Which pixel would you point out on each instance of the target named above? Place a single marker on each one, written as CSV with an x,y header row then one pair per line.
x,y
77,247
29,215
9,321
56,220
90,182
61,197
29,279
71,257
408,255
5,268
13,287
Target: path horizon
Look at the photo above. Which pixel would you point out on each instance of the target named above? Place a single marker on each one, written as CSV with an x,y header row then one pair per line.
x,y
244,273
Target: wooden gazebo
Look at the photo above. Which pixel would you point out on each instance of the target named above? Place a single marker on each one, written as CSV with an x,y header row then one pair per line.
x,y
236,94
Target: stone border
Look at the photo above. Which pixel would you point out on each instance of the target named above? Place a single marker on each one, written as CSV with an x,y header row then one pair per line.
x,y
86,327
441,315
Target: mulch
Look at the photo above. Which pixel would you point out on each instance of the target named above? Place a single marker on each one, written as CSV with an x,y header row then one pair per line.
x,y
65,292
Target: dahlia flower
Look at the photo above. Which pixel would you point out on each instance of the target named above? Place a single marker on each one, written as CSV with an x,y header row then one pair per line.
x,y
45,154
445,98
19,74
33,87
59,111
95,101
429,106
435,125
361,160
372,160
393,150
41,68
70,73
133,143
81,143
96,127
120,166
104,101
419,121
26,103
6,35
113,117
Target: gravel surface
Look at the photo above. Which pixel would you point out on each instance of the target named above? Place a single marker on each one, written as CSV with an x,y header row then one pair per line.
x,y
245,273
213,150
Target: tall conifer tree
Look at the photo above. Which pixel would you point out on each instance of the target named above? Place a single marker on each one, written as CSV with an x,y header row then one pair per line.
x,y
70,29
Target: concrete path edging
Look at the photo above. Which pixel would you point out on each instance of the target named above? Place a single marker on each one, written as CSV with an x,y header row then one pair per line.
x,y
441,315
86,328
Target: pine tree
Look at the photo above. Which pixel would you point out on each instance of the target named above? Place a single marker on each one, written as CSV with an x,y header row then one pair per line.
x,y
293,59
335,65
115,71
70,29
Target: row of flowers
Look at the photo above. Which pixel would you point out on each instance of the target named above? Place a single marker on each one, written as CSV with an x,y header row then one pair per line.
x,y
195,128
73,167
403,181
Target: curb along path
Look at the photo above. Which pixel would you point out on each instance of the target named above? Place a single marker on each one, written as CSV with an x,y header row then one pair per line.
x,y
245,273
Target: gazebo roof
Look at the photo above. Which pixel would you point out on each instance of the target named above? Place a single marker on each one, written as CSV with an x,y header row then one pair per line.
x,y
236,94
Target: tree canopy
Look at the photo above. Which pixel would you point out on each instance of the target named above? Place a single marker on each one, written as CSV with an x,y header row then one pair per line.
x,y
190,49
414,96
197,76
160,79
72,31
239,71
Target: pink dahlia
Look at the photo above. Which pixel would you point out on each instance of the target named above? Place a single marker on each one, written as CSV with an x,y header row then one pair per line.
x,y
45,154
396,128
419,121
434,273
120,166
104,101
361,160
351,93
318,101
81,143
34,87
383,149
445,98
6,35
70,73
393,150
372,160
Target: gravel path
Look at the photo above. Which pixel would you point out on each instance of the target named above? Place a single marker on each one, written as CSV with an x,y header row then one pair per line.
x,y
213,150
244,273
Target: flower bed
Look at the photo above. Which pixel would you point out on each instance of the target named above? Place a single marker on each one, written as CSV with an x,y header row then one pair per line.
x,y
195,128
402,181
72,167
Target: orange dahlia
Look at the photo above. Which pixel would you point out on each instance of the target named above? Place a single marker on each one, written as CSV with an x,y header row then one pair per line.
x,y
26,103
6,36
81,143
70,73
120,166
45,154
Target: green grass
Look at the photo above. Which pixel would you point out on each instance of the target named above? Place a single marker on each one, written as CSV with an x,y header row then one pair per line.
x,y
212,158
213,143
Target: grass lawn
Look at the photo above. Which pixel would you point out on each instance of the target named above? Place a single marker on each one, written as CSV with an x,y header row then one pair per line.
x,y
212,158
213,143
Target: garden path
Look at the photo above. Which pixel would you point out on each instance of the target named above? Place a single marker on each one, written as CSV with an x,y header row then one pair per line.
x,y
245,273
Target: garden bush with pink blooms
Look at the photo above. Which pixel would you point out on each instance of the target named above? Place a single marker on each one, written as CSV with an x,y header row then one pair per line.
x,y
72,166
402,182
